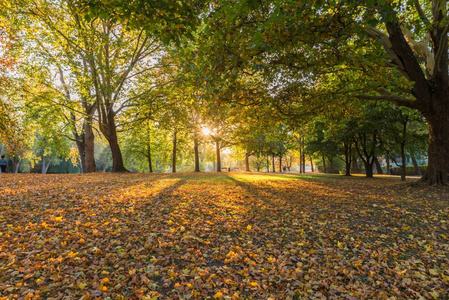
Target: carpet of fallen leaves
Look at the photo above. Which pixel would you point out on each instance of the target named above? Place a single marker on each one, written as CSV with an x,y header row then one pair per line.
x,y
221,236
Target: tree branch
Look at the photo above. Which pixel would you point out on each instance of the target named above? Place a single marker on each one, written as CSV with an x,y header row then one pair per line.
x,y
391,98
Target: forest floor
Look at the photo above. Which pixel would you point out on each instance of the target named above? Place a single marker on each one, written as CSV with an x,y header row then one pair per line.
x,y
221,236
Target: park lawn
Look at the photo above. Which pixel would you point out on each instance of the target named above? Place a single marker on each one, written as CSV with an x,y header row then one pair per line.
x,y
221,236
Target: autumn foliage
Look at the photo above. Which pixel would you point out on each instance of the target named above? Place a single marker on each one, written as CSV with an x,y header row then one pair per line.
x,y
234,236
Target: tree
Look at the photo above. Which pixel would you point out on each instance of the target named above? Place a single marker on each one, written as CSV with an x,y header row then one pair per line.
x,y
424,63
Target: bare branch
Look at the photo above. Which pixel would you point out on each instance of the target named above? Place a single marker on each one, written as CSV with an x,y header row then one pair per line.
x,y
421,13
442,45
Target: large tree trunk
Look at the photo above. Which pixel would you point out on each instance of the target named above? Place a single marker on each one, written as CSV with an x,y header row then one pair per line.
x,y
369,168
378,167
247,162
89,148
85,143
438,158
175,143
117,159
416,166
196,146
109,131
217,151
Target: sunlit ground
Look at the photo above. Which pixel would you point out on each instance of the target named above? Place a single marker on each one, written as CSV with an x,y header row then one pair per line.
x,y
222,236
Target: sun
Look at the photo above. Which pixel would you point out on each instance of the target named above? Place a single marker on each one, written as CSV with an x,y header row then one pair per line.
x,y
206,131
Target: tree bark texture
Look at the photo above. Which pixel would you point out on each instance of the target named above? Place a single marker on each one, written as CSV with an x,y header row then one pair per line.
x,y
45,164
175,143
109,130
417,168
388,165
196,146
217,150
378,167
247,162
89,148
348,153
150,163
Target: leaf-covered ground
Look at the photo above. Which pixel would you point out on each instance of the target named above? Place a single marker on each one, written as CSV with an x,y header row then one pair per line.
x,y
228,236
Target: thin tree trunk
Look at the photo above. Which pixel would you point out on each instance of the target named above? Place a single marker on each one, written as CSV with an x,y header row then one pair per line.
x,y
272,162
45,165
150,163
388,165
404,164
331,165
197,154
79,141
217,150
301,162
247,162
175,142
280,164
311,163
355,167
303,158
348,152
268,164
415,164
324,164
378,167
16,165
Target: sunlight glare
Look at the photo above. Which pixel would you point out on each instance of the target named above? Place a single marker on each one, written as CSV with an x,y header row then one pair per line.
x,y
206,131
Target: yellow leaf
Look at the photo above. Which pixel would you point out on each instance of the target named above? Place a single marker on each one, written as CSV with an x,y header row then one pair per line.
x,y
82,286
249,227
253,283
72,254
218,295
